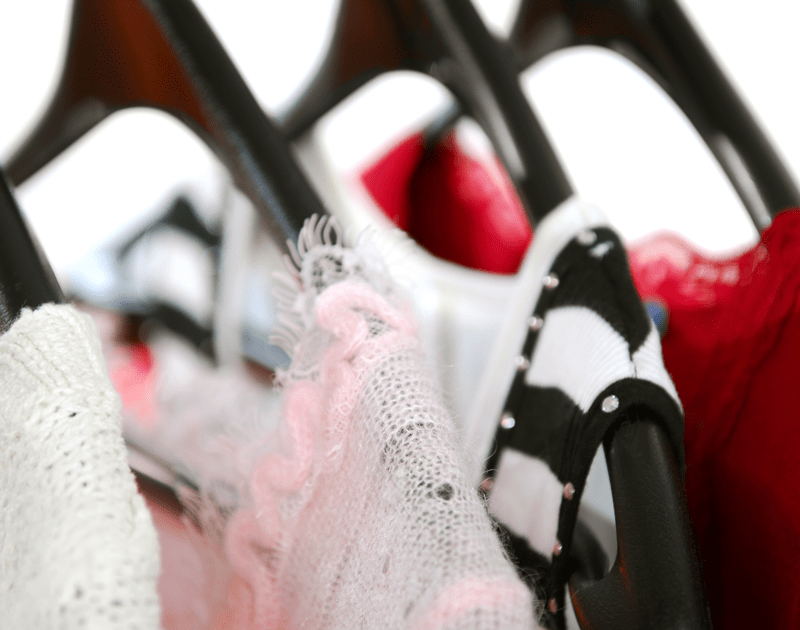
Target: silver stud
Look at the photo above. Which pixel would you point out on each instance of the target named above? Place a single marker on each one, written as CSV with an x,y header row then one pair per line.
x,y
610,403
587,237
557,548
507,421
598,251
569,491
535,322
550,281
552,606
522,363
487,485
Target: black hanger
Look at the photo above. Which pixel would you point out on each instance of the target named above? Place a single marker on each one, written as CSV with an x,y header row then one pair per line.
x,y
656,581
182,216
26,279
447,40
162,54
658,37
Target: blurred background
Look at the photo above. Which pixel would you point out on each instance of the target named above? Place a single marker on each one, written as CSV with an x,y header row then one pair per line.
x,y
626,146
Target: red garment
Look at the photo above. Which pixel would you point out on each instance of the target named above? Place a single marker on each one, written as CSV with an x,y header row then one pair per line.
x,y
732,348
387,180
451,204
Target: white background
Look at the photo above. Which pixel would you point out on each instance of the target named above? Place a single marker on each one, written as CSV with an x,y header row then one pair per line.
x,y
627,147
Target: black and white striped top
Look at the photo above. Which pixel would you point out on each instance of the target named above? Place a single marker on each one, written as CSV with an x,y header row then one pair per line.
x,y
581,354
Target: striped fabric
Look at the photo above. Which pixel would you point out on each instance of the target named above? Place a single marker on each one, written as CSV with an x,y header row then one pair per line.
x,y
587,354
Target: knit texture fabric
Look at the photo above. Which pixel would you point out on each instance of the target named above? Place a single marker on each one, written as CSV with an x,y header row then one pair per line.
x,y
77,543
363,515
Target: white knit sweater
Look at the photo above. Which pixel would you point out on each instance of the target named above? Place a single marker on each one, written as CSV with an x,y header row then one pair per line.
x,y
77,544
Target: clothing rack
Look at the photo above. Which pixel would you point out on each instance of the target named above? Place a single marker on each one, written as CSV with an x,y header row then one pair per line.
x,y
657,575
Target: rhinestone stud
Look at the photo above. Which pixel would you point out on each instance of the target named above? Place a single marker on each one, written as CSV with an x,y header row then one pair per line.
x,y
569,491
522,363
552,606
507,421
487,485
557,548
550,281
587,237
535,322
610,403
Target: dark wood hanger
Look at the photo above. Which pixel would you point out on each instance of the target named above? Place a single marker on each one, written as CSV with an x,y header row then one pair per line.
x,y
162,54
447,40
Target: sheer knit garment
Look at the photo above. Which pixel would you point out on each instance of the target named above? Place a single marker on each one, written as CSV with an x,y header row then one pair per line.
x,y
364,515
